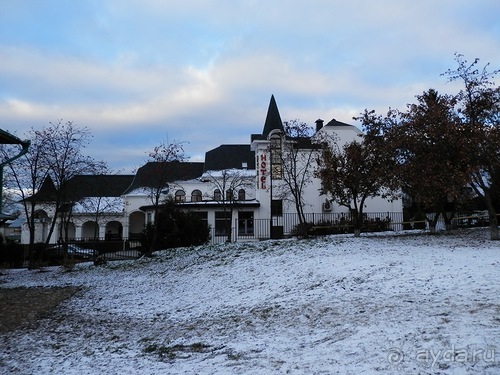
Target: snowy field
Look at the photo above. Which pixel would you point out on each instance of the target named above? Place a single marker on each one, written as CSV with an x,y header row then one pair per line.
x,y
379,304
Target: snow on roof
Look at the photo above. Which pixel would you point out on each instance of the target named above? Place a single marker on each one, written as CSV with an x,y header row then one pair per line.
x,y
229,173
99,204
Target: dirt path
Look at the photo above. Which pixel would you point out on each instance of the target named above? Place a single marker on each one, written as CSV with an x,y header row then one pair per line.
x,y
19,306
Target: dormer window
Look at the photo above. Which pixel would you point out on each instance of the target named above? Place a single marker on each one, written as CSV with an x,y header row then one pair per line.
x,y
180,196
217,195
196,196
241,195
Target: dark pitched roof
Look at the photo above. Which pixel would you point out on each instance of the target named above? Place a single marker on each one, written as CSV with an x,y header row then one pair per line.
x,y
81,186
228,157
146,175
273,118
99,185
273,121
336,123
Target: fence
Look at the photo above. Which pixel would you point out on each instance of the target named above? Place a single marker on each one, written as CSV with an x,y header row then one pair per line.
x,y
334,223
82,249
287,225
16,255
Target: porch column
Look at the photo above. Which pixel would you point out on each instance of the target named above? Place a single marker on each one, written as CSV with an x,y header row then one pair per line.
x,y
102,231
78,231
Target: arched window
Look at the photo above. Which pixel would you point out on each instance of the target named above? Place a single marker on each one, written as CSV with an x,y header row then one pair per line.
x,y
229,195
241,195
180,196
217,195
196,196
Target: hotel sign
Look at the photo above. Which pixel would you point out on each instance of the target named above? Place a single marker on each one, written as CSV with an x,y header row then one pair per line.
x,y
261,171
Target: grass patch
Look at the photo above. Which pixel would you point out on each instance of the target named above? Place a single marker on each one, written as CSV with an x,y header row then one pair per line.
x,y
177,351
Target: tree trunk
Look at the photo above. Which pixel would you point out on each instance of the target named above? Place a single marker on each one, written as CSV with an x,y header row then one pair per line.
x,y
228,224
154,235
358,222
31,254
433,222
494,232
300,210
448,221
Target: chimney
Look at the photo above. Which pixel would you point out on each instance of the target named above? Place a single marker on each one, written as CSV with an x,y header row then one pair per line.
x,y
319,124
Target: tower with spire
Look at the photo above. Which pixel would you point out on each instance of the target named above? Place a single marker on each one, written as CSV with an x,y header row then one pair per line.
x,y
261,144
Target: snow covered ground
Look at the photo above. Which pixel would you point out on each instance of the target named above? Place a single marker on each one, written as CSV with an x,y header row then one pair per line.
x,y
379,304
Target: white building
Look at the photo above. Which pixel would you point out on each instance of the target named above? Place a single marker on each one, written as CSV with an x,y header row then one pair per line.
x,y
234,185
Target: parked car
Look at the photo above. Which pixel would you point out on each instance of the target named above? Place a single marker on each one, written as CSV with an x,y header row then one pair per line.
x,y
73,251
54,255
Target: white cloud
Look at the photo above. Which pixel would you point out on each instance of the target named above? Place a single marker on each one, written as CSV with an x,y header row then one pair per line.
x,y
196,70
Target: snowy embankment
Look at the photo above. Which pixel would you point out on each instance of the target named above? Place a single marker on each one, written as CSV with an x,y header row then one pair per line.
x,y
401,304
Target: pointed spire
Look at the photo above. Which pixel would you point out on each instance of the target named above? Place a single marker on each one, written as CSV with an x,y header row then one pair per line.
x,y
273,119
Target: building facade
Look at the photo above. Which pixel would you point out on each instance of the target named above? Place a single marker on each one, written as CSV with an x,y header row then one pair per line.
x,y
241,191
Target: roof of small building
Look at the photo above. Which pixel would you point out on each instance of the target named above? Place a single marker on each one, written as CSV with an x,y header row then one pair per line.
x,y
100,185
81,186
230,157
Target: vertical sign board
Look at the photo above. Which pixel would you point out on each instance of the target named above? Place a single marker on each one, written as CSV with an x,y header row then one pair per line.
x,y
261,171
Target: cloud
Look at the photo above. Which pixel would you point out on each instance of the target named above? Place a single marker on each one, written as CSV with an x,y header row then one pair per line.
x,y
135,71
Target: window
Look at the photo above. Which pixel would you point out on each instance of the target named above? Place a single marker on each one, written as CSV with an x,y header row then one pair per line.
x,y
229,195
222,223
217,195
276,157
276,207
180,196
241,195
196,196
276,149
277,171
245,224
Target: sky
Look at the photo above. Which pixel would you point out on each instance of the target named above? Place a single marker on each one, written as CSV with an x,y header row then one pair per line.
x,y
140,72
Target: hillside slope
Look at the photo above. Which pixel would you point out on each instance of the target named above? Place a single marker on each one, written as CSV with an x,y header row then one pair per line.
x,y
401,304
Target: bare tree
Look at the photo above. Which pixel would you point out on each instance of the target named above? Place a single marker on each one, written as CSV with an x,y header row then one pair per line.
x,y
62,155
297,157
228,183
159,174
27,174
